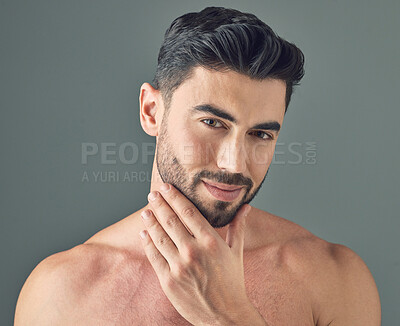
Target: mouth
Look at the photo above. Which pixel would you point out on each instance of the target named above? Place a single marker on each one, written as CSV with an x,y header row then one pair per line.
x,y
221,191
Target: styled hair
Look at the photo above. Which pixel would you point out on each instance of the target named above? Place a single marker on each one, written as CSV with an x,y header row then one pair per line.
x,y
225,39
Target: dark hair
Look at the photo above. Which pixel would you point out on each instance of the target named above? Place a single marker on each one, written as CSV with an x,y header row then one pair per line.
x,y
225,39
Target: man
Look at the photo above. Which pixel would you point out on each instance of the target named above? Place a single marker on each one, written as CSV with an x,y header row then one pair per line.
x,y
205,256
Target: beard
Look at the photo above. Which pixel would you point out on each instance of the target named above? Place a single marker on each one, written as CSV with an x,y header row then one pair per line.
x,y
217,213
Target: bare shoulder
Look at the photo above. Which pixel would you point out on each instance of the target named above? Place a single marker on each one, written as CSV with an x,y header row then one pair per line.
x,y
55,285
354,296
342,288
61,281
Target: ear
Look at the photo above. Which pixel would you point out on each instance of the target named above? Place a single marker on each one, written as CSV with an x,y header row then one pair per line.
x,y
150,109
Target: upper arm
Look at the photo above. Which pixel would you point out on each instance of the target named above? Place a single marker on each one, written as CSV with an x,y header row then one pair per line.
x,y
358,301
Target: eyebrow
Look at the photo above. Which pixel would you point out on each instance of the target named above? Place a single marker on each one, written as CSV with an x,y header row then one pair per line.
x,y
268,125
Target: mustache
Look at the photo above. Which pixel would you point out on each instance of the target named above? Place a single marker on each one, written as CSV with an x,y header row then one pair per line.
x,y
236,179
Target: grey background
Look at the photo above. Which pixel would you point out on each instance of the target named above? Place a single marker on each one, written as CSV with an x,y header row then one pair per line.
x,y
70,73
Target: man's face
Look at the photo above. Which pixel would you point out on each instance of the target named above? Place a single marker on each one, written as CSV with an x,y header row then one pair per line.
x,y
220,132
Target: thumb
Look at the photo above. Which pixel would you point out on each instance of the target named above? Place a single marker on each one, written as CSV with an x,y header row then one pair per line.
x,y
235,233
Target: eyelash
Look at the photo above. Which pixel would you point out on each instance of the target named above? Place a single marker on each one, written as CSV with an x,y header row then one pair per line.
x,y
270,137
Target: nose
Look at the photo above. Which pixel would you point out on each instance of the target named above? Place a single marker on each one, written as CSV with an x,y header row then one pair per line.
x,y
232,156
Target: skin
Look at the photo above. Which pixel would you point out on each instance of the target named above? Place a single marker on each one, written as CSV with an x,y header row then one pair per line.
x,y
203,261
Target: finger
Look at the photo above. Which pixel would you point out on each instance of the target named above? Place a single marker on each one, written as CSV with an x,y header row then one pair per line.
x,y
157,261
169,220
187,212
159,237
235,233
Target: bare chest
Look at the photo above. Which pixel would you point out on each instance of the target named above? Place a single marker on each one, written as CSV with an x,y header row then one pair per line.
x,y
139,300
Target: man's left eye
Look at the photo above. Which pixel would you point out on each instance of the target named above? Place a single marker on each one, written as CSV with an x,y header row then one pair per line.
x,y
212,123
263,135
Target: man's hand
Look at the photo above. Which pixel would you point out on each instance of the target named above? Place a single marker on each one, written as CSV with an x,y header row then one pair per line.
x,y
200,273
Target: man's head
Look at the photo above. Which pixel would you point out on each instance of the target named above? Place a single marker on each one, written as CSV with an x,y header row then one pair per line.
x,y
222,88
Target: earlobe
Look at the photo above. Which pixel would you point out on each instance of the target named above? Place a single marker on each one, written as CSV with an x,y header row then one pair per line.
x,y
149,105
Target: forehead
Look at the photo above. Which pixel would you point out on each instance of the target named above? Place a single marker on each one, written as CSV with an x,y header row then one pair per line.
x,y
242,96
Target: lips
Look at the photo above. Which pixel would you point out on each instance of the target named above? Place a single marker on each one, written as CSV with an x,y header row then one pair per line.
x,y
223,192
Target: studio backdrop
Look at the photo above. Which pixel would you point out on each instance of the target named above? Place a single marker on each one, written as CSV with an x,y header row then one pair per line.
x,y
74,158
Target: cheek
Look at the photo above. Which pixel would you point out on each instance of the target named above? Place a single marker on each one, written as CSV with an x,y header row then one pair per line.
x,y
261,155
193,149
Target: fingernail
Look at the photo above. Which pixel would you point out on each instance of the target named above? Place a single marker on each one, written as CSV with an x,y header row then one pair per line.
x,y
145,214
142,234
152,196
165,187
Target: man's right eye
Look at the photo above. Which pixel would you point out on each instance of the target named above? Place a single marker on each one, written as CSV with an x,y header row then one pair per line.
x,y
213,123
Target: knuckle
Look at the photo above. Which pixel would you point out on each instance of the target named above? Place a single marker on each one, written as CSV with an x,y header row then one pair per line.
x,y
163,240
188,211
153,257
180,270
171,221
210,242
203,231
190,254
